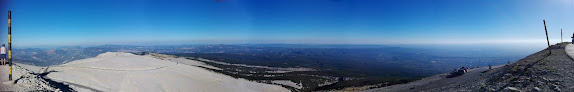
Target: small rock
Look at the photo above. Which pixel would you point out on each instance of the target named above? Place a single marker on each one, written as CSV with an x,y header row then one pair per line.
x,y
557,73
507,74
512,89
538,83
543,72
526,83
516,82
535,89
555,87
553,80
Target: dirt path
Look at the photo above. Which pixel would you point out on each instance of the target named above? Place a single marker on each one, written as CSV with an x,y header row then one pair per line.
x,y
82,86
447,81
431,82
113,69
4,82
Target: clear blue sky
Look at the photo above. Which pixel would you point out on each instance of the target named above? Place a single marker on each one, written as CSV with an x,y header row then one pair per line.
x,y
96,22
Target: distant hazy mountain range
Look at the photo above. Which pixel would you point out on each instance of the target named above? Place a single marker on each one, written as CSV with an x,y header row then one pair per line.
x,y
346,53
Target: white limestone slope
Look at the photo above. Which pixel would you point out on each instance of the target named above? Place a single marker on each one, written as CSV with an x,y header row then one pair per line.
x,y
117,71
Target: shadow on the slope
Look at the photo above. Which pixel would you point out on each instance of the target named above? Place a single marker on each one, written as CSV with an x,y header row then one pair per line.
x,y
39,75
453,75
63,87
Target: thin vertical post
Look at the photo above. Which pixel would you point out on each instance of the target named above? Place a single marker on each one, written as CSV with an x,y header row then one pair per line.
x,y
561,37
548,41
9,45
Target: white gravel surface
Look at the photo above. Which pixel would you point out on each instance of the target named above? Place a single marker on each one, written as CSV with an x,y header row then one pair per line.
x,y
116,71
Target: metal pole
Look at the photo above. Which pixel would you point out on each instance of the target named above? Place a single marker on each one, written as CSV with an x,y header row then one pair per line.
x,y
561,40
548,41
9,45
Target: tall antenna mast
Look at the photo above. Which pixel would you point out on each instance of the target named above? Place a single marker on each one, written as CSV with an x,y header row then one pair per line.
x,y
548,41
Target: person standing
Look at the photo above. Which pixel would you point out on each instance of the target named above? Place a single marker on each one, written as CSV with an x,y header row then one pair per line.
x,y
3,54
